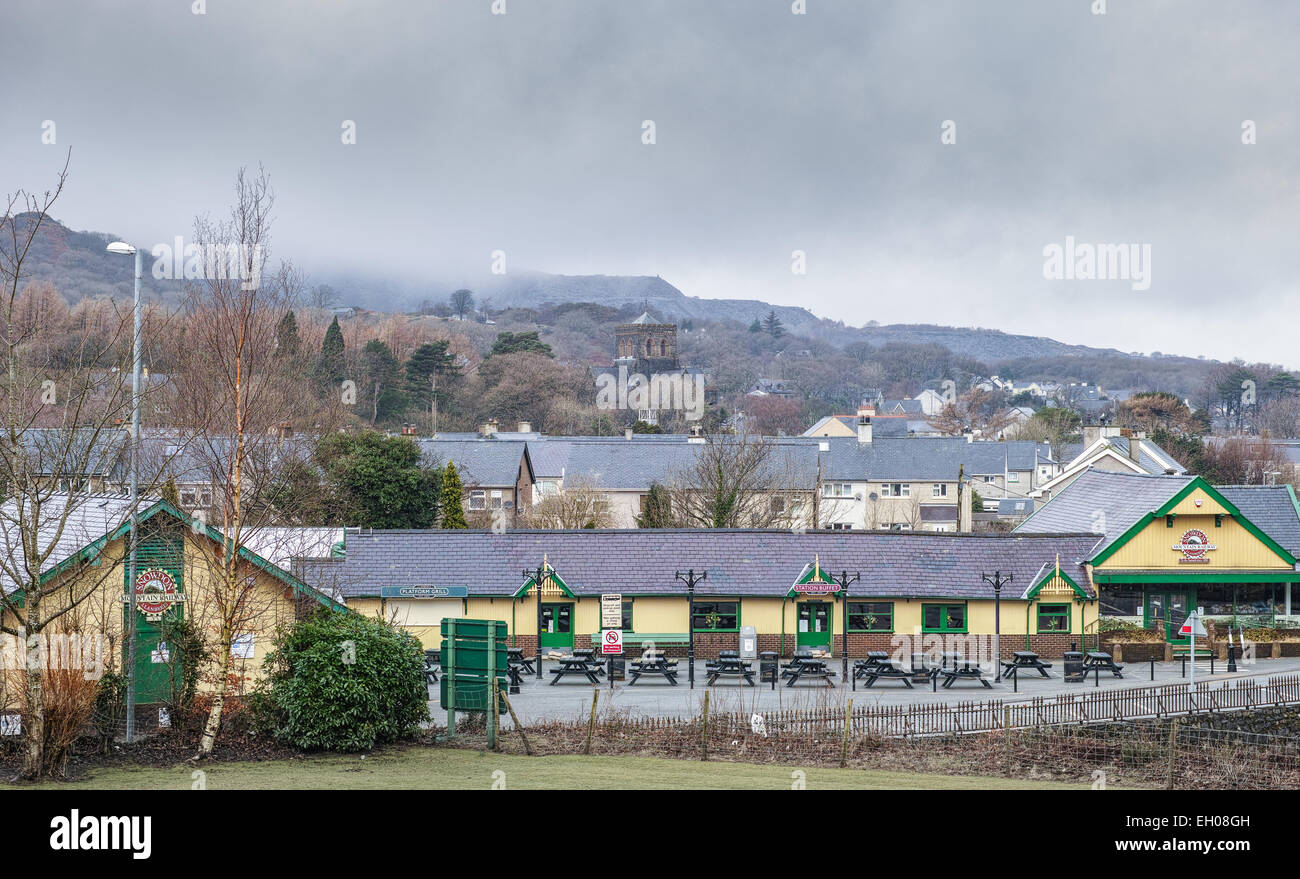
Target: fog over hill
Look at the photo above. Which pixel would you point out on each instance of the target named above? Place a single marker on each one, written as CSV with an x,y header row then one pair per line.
x,y
77,264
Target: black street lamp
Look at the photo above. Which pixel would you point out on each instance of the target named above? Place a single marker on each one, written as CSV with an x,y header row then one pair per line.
x,y
690,579
844,580
537,577
997,581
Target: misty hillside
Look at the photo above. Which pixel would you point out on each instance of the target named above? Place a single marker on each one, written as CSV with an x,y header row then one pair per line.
x,y
78,265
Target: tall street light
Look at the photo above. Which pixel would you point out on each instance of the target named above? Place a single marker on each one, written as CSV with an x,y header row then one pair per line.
x,y
122,248
997,581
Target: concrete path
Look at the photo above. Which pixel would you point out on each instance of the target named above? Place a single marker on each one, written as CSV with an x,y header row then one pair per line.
x,y
571,698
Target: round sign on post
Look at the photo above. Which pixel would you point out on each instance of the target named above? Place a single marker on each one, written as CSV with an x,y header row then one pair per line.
x,y
611,642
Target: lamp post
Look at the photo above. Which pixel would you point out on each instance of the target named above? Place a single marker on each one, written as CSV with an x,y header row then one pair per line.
x,y
844,580
690,579
122,248
537,577
997,581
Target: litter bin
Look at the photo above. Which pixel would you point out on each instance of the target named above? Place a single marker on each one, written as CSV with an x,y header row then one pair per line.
x,y
769,668
748,642
1073,665
617,668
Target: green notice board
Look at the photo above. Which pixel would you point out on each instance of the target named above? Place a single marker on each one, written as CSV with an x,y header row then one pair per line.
x,y
473,652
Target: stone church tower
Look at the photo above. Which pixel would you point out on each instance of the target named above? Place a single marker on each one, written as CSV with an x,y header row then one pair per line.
x,y
645,346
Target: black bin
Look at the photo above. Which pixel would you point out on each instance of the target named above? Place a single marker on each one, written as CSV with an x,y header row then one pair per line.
x,y
617,669
768,667
1073,665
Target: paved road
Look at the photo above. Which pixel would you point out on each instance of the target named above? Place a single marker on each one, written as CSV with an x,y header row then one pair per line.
x,y
571,698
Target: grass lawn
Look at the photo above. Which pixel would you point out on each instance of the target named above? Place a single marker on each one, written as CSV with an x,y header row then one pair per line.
x,y
473,770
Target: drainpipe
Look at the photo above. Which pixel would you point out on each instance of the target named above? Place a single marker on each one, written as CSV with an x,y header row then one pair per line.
x,y
783,601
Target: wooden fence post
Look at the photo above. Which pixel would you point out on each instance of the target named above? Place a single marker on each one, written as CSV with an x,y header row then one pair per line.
x,y
704,736
591,723
1173,750
844,745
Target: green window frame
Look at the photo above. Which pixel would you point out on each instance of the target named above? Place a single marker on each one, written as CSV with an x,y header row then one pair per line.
x,y
627,615
716,616
871,616
1053,618
944,618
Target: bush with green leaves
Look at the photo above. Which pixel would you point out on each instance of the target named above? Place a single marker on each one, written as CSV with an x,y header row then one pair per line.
x,y
341,681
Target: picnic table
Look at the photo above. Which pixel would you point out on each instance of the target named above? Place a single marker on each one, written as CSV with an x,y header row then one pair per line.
x,y
655,665
1022,659
432,660
515,656
806,666
961,669
1101,661
593,657
728,664
890,669
862,667
576,665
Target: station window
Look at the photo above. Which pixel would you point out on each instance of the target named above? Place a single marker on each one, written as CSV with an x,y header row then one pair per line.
x,y
943,618
1053,618
716,616
871,616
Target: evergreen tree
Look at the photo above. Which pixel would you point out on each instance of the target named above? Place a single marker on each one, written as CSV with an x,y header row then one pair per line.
x,y
379,370
286,336
772,325
509,343
330,367
429,360
453,499
170,494
658,511
756,327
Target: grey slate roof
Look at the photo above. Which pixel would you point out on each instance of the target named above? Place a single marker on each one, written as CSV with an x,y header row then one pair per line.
x,y
1272,508
739,562
1151,457
90,518
480,461
1124,498
1103,501
926,458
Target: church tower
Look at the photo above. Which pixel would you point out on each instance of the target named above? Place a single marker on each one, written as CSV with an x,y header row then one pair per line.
x,y
651,347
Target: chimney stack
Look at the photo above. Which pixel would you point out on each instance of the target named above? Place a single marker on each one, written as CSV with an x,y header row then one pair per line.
x,y
525,427
627,433
864,428
488,428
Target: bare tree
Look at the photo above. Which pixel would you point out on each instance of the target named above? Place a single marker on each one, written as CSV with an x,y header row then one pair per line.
x,y
740,481
238,402
581,504
63,402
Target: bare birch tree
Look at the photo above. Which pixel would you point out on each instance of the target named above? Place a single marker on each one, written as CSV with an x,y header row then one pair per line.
x,y
237,400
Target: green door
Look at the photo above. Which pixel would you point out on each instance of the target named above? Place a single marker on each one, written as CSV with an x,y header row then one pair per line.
x,y
813,624
159,579
1165,612
557,626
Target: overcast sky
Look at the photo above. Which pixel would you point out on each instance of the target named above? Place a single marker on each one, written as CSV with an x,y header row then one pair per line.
x,y
774,132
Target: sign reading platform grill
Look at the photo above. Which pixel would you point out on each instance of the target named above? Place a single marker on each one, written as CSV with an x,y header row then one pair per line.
x,y
423,591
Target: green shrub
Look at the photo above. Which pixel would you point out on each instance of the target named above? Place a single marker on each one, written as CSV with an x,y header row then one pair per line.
x,y
342,682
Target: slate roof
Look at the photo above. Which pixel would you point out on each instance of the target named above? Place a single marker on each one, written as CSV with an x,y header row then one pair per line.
x,y
1015,506
1151,457
85,451
926,458
1124,498
1272,508
739,562
480,461
1103,501
91,517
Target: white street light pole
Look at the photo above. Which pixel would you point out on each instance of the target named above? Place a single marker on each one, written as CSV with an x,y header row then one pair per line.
x,y
121,247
